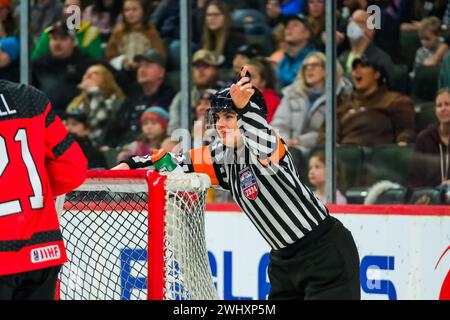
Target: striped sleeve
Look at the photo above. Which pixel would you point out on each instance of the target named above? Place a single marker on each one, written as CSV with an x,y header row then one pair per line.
x,y
65,162
258,136
203,160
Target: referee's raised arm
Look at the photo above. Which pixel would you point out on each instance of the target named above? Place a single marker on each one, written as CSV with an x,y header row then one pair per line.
x,y
257,135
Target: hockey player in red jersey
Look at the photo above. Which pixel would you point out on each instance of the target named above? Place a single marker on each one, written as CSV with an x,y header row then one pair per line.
x,y
39,160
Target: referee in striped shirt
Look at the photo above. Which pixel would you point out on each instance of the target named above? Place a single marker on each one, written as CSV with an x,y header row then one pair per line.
x,y
313,255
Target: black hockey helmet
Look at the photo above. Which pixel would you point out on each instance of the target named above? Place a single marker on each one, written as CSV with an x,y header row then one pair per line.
x,y
222,102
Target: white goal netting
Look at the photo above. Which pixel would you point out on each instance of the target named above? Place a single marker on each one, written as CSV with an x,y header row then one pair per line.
x,y
105,225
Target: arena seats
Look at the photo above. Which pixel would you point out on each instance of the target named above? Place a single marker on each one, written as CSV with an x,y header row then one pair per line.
x,y
425,83
400,78
409,43
392,196
425,196
425,115
173,77
351,157
390,162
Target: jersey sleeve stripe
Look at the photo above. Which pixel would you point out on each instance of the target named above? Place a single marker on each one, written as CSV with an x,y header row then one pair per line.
x,y
37,238
63,146
51,116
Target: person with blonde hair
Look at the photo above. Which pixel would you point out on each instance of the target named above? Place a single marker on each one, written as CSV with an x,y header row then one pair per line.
x,y
218,35
99,99
301,112
433,47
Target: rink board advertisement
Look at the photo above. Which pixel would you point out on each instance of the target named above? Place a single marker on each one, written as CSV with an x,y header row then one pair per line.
x,y
404,251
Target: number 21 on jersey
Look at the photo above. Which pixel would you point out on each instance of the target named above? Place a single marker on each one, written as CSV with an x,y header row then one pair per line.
x,y
37,199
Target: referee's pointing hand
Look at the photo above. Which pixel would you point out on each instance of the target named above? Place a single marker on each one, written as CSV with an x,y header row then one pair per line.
x,y
242,91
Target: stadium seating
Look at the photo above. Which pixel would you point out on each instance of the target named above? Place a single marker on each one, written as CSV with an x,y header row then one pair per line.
x,y
351,157
400,78
250,20
409,43
390,162
428,196
264,41
356,195
392,196
111,157
425,115
173,77
425,83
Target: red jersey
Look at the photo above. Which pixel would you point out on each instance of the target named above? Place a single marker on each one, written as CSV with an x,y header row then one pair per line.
x,y
39,160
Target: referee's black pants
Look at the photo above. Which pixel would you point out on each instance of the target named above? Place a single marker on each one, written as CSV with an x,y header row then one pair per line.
x,y
31,285
323,265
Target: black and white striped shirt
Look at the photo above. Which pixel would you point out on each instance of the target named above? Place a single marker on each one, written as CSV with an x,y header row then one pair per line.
x,y
262,179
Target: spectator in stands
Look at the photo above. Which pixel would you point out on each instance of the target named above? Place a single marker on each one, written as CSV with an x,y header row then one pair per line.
x,y
411,12
58,73
166,18
218,35
315,11
263,78
280,45
87,36
44,13
446,17
297,35
206,75
373,114
301,113
76,123
200,134
133,37
277,9
151,90
361,43
444,74
243,55
431,159
9,43
387,37
99,100
153,121
430,37
105,15
317,175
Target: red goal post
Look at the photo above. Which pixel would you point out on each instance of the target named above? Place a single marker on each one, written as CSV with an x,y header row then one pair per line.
x,y
136,234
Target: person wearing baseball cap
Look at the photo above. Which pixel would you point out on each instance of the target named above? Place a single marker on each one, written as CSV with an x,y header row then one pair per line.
x,y
151,56
297,36
366,62
373,114
205,76
244,54
152,88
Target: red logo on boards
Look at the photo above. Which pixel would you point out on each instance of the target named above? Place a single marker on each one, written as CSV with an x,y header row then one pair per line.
x,y
445,290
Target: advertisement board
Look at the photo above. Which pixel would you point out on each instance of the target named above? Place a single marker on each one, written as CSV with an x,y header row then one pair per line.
x,y
404,251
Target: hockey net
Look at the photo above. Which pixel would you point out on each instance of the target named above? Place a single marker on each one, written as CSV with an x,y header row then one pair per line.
x,y
135,235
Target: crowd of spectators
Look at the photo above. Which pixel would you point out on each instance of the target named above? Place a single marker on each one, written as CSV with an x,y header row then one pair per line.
x,y
115,78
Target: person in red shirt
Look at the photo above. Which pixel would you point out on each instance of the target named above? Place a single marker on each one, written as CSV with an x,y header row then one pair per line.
x,y
39,160
263,78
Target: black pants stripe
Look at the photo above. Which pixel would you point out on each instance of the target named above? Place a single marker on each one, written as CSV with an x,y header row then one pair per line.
x,y
324,267
32,285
